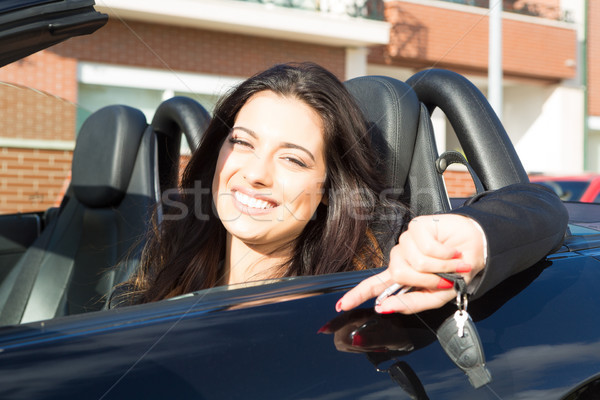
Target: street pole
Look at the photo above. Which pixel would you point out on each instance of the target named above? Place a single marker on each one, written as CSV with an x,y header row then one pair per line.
x,y
495,57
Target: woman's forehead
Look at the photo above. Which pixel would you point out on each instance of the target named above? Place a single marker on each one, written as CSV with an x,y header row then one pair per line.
x,y
268,115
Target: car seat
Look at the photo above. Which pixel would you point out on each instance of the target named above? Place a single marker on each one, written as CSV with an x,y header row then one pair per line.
x,y
119,164
398,116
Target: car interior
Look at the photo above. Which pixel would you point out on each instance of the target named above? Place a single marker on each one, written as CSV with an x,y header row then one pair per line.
x,y
71,257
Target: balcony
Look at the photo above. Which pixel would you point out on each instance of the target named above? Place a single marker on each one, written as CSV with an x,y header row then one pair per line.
x,y
368,9
271,19
525,7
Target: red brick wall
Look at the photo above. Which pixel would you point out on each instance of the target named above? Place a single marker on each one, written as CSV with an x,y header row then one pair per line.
x,y
459,183
424,36
195,50
31,179
30,114
45,71
593,58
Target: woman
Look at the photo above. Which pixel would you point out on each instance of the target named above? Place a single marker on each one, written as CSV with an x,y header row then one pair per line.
x,y
283,184
283,171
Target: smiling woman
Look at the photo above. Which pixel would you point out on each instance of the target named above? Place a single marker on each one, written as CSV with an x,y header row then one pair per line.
x,y
267,186
284,184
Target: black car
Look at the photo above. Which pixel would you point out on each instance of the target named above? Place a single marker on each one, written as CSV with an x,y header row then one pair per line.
x,y
539,330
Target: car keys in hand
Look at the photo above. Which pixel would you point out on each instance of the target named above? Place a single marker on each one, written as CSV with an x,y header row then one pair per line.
x,y
460,340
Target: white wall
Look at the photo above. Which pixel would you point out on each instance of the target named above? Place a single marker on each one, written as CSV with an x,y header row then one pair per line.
x,y
546,125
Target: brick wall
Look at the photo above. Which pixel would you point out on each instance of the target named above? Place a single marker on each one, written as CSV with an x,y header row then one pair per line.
x,y
459,183
32,179
31,114
423,36
46,71
194,50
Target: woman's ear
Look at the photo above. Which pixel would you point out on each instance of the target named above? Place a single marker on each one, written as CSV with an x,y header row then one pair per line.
x,y
325,199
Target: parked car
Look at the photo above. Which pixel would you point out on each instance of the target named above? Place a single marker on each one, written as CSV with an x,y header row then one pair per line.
x,y
282,339
584,188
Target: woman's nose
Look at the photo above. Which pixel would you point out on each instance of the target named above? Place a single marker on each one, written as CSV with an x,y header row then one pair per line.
x,y
258,172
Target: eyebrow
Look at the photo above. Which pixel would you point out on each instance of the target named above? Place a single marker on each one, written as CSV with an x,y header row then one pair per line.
x,y
286,145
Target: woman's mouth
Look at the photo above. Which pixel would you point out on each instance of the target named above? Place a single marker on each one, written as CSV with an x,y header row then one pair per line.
x,y
253,202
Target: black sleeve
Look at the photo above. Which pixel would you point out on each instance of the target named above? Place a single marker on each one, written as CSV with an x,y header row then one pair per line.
x,y
522,223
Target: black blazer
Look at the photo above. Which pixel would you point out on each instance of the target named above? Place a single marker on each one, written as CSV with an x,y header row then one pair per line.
x,y
522,222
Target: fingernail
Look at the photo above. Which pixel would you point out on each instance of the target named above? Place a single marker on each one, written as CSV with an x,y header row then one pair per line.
x,y
338,306
357,340
324,328
463,268
445,284
378,310
457,254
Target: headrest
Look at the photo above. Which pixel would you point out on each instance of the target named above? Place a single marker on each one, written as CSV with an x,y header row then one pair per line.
x,y
181,114
105,153
391,109
173,117
481,135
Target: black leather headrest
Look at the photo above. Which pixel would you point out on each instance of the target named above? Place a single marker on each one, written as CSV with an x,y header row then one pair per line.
x,y
478,129
181,114
173,117
105,153
391,109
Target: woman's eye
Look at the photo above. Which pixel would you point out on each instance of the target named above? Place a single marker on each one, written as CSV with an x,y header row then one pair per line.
x,y
296,161
236,141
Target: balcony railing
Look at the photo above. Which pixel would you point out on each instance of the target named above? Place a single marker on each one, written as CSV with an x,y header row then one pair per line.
x,y
369,9
525,7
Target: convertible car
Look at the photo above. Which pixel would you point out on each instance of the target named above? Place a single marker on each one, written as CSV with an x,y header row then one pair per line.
x,y
539,331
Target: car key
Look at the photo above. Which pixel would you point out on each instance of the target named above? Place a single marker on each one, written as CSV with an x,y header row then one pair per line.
x,y
465,351
461,316
460,340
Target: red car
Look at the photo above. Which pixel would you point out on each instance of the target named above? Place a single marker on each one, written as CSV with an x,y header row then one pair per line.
x,y
584,188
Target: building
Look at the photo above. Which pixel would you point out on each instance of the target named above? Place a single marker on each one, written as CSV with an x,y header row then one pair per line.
x,y
151,50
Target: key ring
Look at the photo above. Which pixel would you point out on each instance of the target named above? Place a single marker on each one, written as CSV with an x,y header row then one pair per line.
x,y
462,301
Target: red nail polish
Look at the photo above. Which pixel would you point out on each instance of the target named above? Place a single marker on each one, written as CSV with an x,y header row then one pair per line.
x,y
324,328
445,284
358,340
338,306
463,268
387,312
457,255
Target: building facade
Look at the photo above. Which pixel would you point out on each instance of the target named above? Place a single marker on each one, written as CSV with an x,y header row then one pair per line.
x,y
152,50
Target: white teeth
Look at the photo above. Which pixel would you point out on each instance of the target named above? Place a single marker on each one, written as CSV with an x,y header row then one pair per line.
x,y
251,201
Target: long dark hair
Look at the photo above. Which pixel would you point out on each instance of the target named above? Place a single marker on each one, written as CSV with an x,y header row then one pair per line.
x,y
183,253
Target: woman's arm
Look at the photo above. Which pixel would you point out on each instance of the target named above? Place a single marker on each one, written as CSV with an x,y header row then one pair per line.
x,y
522,224
493,236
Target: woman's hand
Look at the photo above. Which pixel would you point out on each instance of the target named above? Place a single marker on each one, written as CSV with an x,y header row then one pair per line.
x,y
433,243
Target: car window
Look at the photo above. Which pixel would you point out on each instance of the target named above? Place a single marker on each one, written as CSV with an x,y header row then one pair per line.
x,y
566,190
573,189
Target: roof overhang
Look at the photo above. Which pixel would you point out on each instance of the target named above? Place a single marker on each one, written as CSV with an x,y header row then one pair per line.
x,y
254,19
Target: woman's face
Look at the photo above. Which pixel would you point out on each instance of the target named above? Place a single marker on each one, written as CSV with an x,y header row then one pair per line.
x,y
271,169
